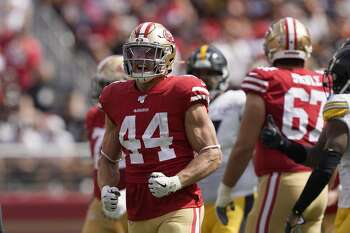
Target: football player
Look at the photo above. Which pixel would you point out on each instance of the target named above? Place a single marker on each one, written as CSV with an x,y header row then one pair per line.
x,y
332,147
97,220
160,123
294,96
225,110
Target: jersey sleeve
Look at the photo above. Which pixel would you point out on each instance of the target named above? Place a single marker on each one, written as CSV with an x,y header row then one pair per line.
x,y
195,92
256,81
336,107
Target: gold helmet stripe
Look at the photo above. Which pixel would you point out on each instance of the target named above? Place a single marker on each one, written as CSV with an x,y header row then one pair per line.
x,y
203,52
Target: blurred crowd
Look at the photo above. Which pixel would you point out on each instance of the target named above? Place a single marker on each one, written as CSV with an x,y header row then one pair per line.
x,y
29,109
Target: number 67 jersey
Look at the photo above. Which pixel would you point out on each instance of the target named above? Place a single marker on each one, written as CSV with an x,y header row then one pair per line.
x,y
153,137
294,98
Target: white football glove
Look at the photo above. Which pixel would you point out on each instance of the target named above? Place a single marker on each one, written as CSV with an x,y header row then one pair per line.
x,y
223,200
113,202
161,185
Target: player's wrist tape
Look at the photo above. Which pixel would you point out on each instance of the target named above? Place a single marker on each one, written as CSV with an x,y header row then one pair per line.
x,y
217,146
109,158
176,183
224,189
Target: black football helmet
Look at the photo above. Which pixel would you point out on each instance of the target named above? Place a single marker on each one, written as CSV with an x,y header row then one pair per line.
x,y
339,69
210,65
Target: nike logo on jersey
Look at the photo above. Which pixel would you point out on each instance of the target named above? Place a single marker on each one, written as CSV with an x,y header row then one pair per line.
x,y
142,99
163,185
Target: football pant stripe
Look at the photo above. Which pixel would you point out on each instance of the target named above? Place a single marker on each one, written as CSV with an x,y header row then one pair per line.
x,y
273,202
263,221
198,225
193,230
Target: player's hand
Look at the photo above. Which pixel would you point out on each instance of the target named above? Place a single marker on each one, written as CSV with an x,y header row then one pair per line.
x,y
109,200
293,224
161,185
223,203
271,136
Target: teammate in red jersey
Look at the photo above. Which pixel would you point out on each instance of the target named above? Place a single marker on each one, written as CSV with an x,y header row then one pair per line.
x,y
108,71
294,96
162,126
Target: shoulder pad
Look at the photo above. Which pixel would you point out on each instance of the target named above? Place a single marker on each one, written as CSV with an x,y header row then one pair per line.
x,y
336,107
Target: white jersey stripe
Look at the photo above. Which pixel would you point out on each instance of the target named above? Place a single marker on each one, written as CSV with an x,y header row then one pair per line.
x,y
199,97
263,221
201,89
291,34
252,73
253,87
256,80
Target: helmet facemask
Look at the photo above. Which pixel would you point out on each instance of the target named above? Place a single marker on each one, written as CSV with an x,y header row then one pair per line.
x,y
145,61
210,65
339,69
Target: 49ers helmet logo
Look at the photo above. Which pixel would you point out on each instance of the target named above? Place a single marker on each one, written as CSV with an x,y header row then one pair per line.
x,y
167,35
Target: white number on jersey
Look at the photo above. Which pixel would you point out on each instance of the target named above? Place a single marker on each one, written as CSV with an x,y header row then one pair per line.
x,y
159,121
291,112
97,135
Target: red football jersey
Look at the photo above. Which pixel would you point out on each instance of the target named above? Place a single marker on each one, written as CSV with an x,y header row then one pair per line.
x,y
295,99
94,124
153,138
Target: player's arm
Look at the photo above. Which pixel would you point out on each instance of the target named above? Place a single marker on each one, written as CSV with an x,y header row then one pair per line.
x,y
108,170
335,137
251,124
252,121
201,135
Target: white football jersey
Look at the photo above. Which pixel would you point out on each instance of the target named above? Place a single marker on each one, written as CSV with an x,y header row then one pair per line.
x,y
338,107
226,111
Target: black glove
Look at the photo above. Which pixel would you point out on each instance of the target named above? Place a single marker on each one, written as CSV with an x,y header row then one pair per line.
x,y
271,136
221,212
293,224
